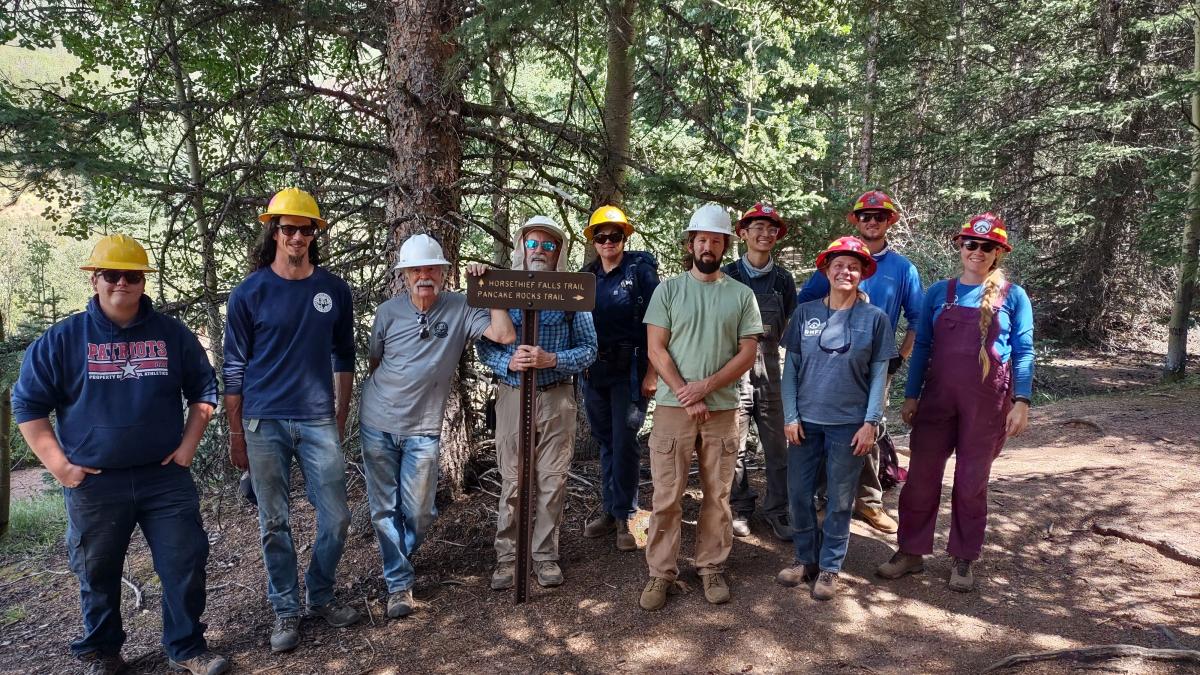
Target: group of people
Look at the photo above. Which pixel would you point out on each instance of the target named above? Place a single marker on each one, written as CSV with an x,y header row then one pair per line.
x,y
705,344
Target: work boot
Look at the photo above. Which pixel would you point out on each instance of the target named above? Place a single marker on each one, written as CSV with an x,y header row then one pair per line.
x,y
716,591
103,664
798,573
877,518
285,635
741,525
205,663
826,585
548,573
335,614
400,603
600,526
654,595
961,577
625,539
502,577
900,564
781,525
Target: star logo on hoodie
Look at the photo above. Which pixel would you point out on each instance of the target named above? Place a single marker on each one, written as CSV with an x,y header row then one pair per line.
x,y
129,370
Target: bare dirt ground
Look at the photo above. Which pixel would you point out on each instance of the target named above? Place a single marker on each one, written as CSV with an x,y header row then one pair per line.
x,y
1046,581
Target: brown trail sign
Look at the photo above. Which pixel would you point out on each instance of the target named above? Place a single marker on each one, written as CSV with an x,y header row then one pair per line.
x,y
529,292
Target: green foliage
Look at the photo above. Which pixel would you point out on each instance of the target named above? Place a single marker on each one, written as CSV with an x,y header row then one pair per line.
x,y
35,524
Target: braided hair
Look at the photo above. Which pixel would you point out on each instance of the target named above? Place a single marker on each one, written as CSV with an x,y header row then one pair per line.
x,y
993,283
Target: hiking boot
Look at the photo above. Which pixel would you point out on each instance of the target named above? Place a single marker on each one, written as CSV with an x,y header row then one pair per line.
x,y
877,518
400,603
716,591
205,663
502,576
900,564
961,577
335,614
103,664
825,586
798,573
285,635
654,595
625,539
600,526
741,526
781,525
548,573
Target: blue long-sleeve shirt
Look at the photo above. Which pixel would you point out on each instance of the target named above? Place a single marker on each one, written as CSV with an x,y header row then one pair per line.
x,y
118,393
895,285
554,335
1015,340
284,339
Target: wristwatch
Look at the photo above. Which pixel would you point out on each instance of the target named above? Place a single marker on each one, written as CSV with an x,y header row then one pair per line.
x,y
1022,399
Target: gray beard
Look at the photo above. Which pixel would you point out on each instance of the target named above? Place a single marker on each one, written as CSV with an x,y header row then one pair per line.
x,y
539,266
707,267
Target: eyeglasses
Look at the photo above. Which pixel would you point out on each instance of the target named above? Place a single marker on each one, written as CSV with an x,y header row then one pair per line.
x,y
131,277
291,230
847,332
423,322
610,238
972,245
763,229
547,246
868,216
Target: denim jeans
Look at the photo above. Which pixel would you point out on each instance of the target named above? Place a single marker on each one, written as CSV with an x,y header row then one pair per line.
x,y
271,445
101,514
615,419
402,477
825,449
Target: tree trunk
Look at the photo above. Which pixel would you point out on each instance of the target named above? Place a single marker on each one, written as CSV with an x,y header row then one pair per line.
x,y
5,454
618,104
501,166
869,91
424,105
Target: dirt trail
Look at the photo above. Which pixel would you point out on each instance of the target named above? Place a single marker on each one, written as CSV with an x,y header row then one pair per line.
x,y
1046,581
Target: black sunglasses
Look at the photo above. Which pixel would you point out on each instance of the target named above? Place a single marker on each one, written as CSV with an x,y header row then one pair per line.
x,y
846,331
610,238
291,230
986,246
868,216
423,322
132,277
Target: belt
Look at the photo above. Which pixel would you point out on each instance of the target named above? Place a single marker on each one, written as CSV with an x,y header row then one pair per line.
x,y
543,387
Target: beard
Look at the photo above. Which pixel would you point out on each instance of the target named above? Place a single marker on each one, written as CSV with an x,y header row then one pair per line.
x,y
539,265
707,266
295,260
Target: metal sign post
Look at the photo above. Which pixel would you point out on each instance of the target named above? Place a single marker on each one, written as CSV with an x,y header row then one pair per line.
x,y
526,464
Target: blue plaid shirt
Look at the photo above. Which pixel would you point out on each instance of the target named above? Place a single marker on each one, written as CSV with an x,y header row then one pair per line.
x,y
553,336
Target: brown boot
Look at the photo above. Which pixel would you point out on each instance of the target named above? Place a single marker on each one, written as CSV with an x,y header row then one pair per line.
x,y
798,573
654,596
961,577
826,586
900,564
877,518
625,539
716,590
600,526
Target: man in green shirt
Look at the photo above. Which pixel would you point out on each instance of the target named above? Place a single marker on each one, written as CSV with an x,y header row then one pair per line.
x,y
702,330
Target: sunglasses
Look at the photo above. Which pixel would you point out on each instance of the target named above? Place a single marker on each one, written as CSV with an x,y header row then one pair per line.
x,y
972,245
846,332
610,238
131,277
547,246
291,230
868,216
423,322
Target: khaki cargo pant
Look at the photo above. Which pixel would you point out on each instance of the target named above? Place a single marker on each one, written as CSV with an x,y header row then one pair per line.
x,y
554,449
673,440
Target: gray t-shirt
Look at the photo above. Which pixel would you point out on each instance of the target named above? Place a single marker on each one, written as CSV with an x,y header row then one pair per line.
x,y
406,395
833,387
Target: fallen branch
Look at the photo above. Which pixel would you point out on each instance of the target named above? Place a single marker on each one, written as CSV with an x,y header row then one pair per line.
x,y
1085,423
1166,548
1098,653
137,594
1171,639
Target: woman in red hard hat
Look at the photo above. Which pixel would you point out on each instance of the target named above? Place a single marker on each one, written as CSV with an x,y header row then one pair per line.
x,y
968,390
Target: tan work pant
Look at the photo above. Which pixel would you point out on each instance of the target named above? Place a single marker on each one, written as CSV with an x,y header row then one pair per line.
x,y
673,440
554,447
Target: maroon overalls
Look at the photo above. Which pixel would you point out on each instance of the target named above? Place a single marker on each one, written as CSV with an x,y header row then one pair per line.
x,y
963,413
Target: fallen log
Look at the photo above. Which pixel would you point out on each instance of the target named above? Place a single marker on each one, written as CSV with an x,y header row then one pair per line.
x,y
1163,546
1098,653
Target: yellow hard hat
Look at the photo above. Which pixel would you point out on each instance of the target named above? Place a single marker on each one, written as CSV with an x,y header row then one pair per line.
x,y
606,215
118,252
293,202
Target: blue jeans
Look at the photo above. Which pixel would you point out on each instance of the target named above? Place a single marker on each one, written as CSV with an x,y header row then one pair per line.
x,y
271,445
101,515
615,419
825,449
402,478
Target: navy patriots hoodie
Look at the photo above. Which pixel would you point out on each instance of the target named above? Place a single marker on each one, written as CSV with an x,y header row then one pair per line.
x,y
118,393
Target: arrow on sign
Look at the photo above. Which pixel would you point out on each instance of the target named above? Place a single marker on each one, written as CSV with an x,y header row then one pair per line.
x,y
578,297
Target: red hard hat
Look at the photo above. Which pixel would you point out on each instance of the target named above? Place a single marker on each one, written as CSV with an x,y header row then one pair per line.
x,y
852,246
874,200
765,211
987,227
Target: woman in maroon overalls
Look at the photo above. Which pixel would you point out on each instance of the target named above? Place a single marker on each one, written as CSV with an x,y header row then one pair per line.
x,y
969,384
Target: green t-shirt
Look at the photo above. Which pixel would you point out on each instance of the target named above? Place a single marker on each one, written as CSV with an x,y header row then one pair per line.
x,y
706,320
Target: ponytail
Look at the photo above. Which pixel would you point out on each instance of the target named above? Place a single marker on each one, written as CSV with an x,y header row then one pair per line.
x,y
992,285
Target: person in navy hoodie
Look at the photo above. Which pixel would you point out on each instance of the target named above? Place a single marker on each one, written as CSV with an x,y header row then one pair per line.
x,y
289,356
116,377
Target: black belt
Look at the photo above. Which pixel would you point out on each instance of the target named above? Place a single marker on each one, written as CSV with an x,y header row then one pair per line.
x,y
543,387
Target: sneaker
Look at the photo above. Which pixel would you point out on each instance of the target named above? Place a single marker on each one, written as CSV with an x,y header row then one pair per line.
x,y
103,664
205,663
502,576
781,525
600,526
654,595
548,573
741,526
335,614
825,586
798,573
625,539
400,603
961,577
877,518
286,634
900,564
716,591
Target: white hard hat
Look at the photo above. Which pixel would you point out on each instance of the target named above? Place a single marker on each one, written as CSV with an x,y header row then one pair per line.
x,y
421,250
710,218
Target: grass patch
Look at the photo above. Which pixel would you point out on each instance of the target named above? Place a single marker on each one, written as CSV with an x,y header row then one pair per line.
x,y
12,615
35,524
